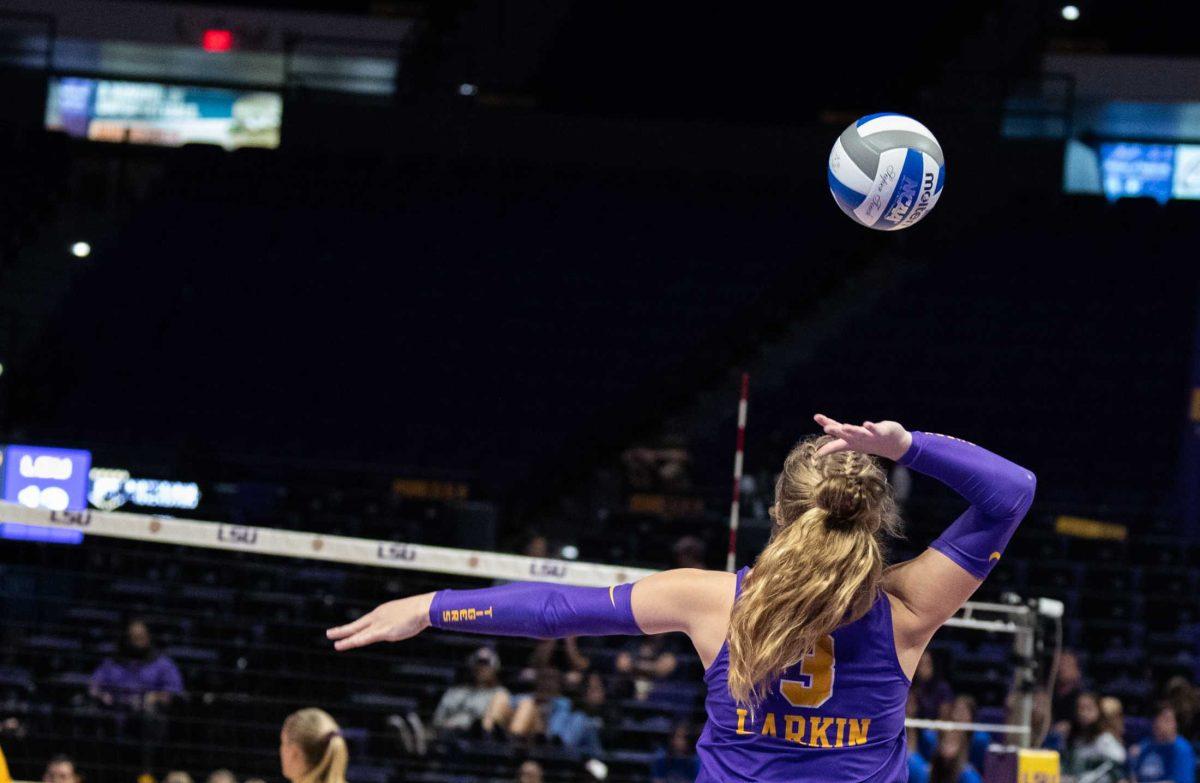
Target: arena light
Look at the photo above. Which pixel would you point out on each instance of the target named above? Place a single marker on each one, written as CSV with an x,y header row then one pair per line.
x,y
1,368
466,89
81,249
1070,12
217,40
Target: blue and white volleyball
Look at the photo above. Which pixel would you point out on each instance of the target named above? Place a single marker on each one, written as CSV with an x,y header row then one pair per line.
x,y
886,171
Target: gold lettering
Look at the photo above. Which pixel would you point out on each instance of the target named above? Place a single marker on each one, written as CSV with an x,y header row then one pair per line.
x,y
454,615
470,614
837,732
817,732
794,731
769,725
741,729
858,731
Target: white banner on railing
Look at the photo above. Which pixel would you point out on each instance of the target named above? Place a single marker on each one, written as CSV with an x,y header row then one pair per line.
x,y
317,546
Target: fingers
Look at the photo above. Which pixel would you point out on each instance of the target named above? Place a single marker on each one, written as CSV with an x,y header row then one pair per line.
x,y
343,631
852,431
831,426
835,427
370,635
845,436
833,447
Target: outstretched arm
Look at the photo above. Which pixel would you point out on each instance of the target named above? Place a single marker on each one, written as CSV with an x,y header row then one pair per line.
x,y
935,585
685,600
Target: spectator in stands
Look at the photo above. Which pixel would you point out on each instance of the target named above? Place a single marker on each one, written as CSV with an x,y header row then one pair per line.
x,y
918,763
950,763
677,763
312,749
140,684
931,689
1094,748
537,546
561,654
689,553
534,713
139,677
1112,712
177,776
483,705
960,710
12,728
1182,695
579,729
644,661
221,776
1067,687
529,772
1168,757
61,769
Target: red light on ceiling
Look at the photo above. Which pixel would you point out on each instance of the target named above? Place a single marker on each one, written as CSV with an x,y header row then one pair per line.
x,y
217,40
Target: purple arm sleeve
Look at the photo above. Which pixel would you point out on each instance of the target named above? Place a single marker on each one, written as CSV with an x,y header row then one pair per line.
x,y
999,491
539,610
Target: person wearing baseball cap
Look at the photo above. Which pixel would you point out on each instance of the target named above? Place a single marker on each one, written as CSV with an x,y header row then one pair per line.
x,y
482,705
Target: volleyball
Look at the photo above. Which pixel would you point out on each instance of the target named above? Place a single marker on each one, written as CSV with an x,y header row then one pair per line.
x,y
886,171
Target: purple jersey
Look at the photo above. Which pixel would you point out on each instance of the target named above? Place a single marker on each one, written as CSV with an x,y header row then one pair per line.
x,y
837,716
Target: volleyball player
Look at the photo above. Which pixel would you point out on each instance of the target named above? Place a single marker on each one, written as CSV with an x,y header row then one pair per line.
x,y
810,653
312,748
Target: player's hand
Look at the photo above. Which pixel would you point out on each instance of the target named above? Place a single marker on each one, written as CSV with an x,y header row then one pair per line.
x,y
394,621
883,438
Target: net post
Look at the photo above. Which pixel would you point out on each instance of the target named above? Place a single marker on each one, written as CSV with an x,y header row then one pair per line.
x,y
1025,679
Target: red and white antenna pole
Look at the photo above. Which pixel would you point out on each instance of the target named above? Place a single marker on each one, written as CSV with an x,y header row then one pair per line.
x,y
738,458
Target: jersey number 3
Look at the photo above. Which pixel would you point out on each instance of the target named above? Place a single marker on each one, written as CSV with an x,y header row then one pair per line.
x,y
816,672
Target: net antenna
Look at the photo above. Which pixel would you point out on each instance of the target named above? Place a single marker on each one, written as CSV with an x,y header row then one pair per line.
x,y
738,459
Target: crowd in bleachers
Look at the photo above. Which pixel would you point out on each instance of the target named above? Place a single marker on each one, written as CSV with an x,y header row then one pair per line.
x,y
1097,742
218,649
137,659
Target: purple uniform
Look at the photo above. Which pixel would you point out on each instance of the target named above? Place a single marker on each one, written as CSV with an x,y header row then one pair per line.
x,y
836,716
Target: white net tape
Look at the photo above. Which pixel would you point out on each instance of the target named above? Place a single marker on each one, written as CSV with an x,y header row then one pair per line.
x,y
318,546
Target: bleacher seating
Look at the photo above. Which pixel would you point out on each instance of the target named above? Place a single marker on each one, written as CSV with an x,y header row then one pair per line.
x,y
247,635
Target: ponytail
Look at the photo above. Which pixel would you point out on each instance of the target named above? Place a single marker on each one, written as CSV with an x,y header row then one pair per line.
x,y
321,741
821,569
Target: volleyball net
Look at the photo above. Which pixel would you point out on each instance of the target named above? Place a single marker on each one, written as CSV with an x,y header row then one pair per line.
x,y
1022,623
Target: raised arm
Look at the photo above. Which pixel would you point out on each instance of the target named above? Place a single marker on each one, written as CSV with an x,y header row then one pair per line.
x,y
686,600
933,586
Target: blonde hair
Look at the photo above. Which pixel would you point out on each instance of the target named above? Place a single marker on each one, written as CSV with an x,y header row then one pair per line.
x,y
1112,716
821,568
320,740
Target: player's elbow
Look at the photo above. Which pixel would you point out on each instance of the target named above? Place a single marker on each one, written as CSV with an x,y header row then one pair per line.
x,y
1025,491
1013,495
